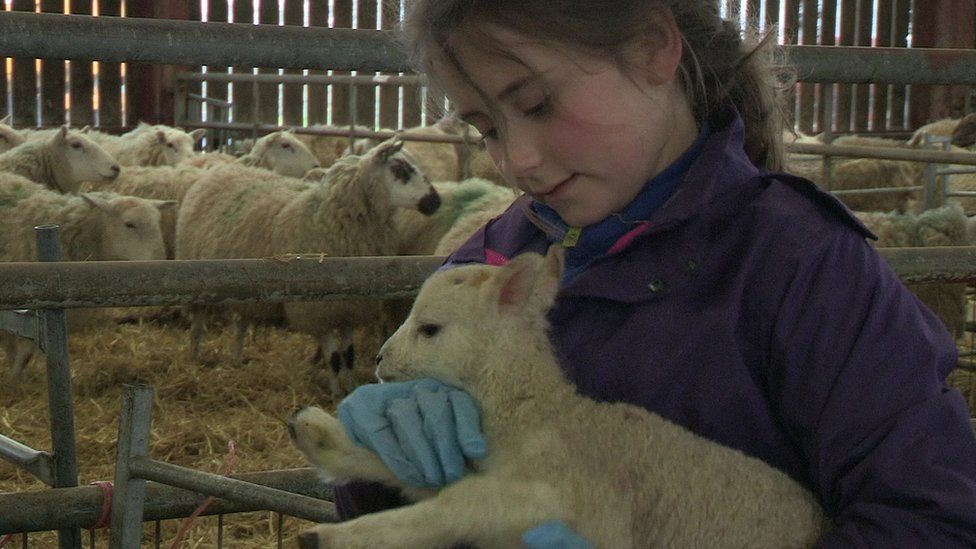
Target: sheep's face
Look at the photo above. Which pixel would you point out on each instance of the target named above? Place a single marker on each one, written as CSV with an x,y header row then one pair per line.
x,y
130,228
465,315
285,154
174,145
408,186
9,138
81,159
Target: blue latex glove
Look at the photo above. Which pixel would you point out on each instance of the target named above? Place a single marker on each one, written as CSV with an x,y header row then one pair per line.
x,y
421,429
553,535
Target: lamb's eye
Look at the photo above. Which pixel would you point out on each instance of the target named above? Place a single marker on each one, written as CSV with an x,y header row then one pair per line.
x,y
286,145
76,145
429,330
130,225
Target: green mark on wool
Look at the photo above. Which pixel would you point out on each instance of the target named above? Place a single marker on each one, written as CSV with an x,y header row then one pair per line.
x,y
10,195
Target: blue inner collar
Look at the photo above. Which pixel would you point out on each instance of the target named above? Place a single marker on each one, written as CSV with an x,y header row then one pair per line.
x,y
594,240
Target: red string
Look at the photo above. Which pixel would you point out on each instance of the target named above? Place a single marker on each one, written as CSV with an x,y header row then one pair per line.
x,y
106,517
6,539
188,521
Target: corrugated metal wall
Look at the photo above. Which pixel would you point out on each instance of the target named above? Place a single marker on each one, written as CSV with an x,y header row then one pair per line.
x,y
52,92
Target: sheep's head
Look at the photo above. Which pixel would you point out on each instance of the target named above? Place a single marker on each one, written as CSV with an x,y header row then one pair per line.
x,y
283,153
465,316
408,186
173,145
80,159
130,228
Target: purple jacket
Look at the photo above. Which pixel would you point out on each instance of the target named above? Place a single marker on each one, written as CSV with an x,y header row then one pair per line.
x,y
751,309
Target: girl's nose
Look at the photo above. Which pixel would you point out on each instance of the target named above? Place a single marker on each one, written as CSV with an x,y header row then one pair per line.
x,y
523,155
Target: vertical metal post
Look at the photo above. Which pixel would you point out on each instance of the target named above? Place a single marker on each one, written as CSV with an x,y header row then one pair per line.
x,y
54,342
827,115
130,493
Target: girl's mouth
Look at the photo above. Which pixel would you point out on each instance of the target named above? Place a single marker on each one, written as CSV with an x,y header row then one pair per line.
x,y
556,191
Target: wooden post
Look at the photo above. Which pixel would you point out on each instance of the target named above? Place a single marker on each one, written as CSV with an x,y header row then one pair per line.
x,y
24,82
110,79
941,24
292,96
52,78
82,80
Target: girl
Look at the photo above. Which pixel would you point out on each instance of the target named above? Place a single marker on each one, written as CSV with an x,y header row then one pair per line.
x,y
741,303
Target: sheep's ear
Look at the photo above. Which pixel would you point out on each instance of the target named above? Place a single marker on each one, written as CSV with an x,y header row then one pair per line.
x,y
516,281
94,202
5,120
63,133
389,148
86,129
197,135
164,205
160,136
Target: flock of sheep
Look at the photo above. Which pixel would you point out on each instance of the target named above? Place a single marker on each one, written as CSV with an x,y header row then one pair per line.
x,y
149,195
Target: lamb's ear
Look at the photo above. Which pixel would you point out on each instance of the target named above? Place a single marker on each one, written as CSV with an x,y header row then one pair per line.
x,y
5,120
197,135
164,205
552,274
86,129
160,136
388,148
63,133
515,282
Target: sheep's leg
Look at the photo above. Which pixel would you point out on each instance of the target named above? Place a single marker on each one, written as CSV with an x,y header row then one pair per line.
x,y
484,511
23,352
240,332
329,346
347,374
197,319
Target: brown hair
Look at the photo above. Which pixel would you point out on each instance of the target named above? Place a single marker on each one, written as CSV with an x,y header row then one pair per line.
x,y
718,66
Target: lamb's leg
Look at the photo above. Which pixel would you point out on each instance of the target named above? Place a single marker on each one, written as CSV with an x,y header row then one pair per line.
x,y
197,320
240,332
323,440
486,512
329,347
23,352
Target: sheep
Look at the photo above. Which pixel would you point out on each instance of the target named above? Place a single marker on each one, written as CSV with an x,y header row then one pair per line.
x,y
240,212
964,134
281,152
93,226
483,329
328,148
62,161
158,182
151,145
945,226
9,137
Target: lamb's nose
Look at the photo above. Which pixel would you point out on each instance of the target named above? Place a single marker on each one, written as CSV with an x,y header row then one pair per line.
x,y
117,169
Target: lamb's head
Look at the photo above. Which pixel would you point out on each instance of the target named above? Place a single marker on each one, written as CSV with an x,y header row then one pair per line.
x,y
964,134
80,159
408,186
9,138
172,145
130,228
465,317
283,153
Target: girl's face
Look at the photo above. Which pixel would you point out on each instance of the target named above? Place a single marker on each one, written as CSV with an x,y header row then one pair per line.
x,y
576,132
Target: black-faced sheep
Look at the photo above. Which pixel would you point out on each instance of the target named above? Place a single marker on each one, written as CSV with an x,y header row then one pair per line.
x,y
62,161
550,450
238,212
93,226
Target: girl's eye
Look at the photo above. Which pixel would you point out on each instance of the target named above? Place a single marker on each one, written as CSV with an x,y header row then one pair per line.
x,y
429,330
540,109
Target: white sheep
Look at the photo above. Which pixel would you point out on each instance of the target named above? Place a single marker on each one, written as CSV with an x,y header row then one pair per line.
x,y
156,182
329,148
93,226
151,145
61,161
945,226
241,212
550,450
281,152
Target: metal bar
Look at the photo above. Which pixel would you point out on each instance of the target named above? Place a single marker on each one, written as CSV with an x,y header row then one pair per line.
x,y
130,491
116,39
22,323
888,153
878,190
934,264
124,39
73,284
38,463
210,100
373,80
80,507
340,131
874,65
54,341
233,489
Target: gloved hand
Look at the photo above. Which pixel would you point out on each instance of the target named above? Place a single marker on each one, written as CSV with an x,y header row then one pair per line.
x,y
421,429
554,535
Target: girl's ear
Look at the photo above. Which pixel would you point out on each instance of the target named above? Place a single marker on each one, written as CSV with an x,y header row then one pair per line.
x,y
662,48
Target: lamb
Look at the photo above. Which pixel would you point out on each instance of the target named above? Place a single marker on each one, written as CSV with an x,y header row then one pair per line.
x,y
240,212
62,161
94,226
945,226
9,137
280,152
483,329
156,182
